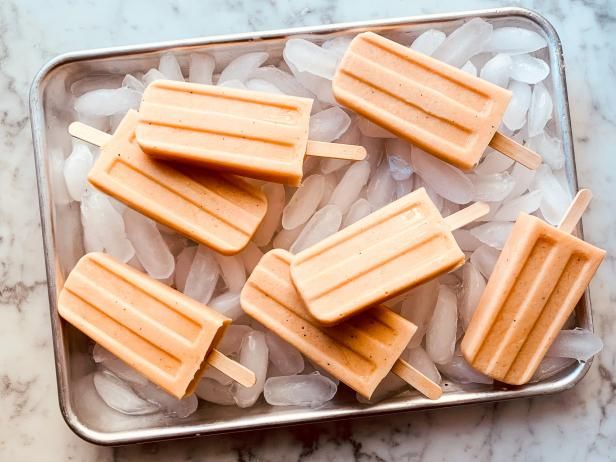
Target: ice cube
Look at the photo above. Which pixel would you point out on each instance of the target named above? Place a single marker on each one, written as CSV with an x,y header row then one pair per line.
x,y
493,187
304,202
372,130
580,344
331,165
418,307
116,365
275,195
466,241
328,125
106,102
350,186
550,149
473,285
324,223
201,68
554,200
493,162
337,45
150,247
359,209
529,69
283,356
464,42
381,187
251,256
152,76
514,40
57,177
460,371
330,184
228,304
404,187
202,276
441,330
214,392
170,67
103,227
498,70
312,390
263,85
484,259
214,374
540,110
242,67
232,271
428,41
133,82
374,148
286,237
527,203
419,359
183,263
170,405
523,177
76,168
320,87
515,115
399,158
550,367
308,57
470,68
284,81
254,356
233,84
120,396
231,341
447,180
493,233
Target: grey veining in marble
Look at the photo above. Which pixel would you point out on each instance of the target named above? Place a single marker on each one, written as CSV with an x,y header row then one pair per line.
x,y
579,424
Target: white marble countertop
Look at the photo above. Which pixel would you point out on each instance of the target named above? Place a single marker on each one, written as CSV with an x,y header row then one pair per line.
x,y
579,424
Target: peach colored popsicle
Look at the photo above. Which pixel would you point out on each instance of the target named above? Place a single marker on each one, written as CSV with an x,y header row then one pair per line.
x,y
538,279
249,133
359,352
165,335
220,211
390,251
444,110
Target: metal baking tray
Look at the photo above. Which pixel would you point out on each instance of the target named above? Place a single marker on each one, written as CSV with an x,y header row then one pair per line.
x,y
51,107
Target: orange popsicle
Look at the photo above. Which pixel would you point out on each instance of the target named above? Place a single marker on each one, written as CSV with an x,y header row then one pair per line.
x,y
538,279
444,110
359,352
390,251
220,211
250,133
164,334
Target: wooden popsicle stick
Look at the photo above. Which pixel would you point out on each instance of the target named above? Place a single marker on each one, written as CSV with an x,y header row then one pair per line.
x,y
335,150
417,380
467,215
230,368
88,134
504,144
575,211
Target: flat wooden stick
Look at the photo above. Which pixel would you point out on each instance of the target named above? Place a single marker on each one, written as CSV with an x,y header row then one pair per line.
x,y
335,150
575,211
417,380
516,151
88,134
465,216
230,368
